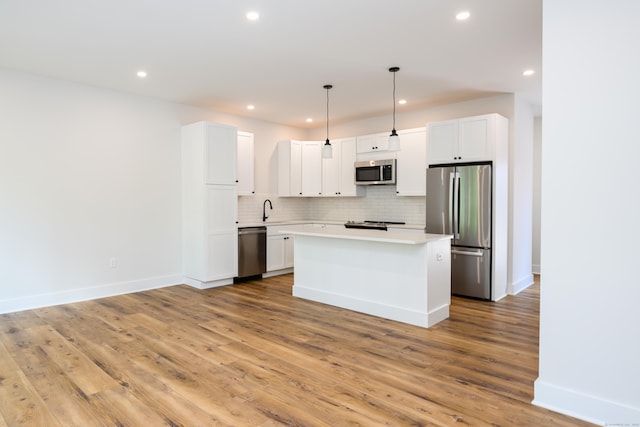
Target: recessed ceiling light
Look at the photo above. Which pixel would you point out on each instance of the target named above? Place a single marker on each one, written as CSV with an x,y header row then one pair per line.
x,y
309,120
402,101
528,73
251,107
253,16
463,15
141,74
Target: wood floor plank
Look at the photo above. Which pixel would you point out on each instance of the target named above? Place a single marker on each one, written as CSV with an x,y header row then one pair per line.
x,y
253,355
64,399
75,365
21,405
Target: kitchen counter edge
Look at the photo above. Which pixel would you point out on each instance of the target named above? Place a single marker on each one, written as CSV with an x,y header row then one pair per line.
x,y
404,237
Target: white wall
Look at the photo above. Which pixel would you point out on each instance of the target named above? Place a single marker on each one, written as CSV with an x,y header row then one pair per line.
x,y
537,192
88,174
590,289
521,197
501,104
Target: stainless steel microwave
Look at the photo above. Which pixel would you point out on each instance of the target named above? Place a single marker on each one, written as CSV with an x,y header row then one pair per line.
x,y
375,172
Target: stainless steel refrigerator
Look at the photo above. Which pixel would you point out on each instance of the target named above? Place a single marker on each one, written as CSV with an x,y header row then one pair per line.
x,y
459,203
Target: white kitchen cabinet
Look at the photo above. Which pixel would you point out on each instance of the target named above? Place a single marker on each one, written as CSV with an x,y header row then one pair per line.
x,y
279,252
246,164
338,172
469,139
209,204
219,151
299,168
412,162
373,143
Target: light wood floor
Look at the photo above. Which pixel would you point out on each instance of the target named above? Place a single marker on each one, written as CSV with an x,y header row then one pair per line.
x,y
252,355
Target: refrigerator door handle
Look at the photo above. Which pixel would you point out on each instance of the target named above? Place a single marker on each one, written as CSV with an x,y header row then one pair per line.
x,y
452,193
459,252
456,205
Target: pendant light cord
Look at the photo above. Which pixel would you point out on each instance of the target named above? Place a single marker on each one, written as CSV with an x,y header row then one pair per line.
x,y
394,99
327,87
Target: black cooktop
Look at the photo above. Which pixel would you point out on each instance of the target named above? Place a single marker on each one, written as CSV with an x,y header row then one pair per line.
x,y
372,225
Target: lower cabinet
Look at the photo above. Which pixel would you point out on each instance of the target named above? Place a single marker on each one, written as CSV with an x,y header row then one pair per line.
x,y
279,252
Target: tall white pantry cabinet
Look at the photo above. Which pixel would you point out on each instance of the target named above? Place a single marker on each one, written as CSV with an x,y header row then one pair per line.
x,y
209,204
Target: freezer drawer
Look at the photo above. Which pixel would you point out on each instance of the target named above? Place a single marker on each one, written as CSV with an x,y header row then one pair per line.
x,y
471,272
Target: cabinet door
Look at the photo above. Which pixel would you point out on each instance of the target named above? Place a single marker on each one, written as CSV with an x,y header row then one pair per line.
x,y
288,251
474,139
311,160
295,173
221,251
412,163
222,256
442,142
275,252
221,154
348,185
245,164
366,143
284,169
331,169
221,208
382,141
373,143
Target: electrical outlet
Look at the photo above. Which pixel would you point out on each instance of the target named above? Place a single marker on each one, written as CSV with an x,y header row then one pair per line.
x,y
112,262
439,256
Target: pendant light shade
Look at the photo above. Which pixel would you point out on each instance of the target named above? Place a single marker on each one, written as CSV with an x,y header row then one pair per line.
x,y
394,139
327,149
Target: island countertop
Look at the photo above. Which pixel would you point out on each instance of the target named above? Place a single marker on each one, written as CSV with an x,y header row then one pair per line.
x,y
401,237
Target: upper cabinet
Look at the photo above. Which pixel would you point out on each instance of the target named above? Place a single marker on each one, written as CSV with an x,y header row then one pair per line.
x,y
468,139
373,143
246,184
220,151
299,168
412,162
338,172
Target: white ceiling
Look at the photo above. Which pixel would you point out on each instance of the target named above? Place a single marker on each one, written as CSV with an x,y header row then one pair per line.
x,y
206,53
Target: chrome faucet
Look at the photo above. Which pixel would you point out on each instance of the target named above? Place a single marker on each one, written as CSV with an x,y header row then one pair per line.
x,y
264,207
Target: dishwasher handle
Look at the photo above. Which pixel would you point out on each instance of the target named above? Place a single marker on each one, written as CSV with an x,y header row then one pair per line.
x,y
252,231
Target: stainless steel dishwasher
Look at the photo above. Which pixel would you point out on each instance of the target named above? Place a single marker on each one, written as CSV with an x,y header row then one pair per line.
x,y
252,251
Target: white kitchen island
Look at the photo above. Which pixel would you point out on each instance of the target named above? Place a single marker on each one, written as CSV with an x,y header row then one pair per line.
x,y
402,275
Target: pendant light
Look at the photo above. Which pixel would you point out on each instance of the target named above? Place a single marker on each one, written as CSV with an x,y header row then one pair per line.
x,y
394,139
327,150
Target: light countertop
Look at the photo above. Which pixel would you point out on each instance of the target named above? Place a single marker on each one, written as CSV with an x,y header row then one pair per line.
x,y
401,237
320,223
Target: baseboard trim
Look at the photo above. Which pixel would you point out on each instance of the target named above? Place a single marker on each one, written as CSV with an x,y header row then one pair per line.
x,y
522,284
582,406
89,293
374,308
207,285
278,272
535,268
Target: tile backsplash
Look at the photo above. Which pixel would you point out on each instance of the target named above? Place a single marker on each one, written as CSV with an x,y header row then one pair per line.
x,y
380,203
